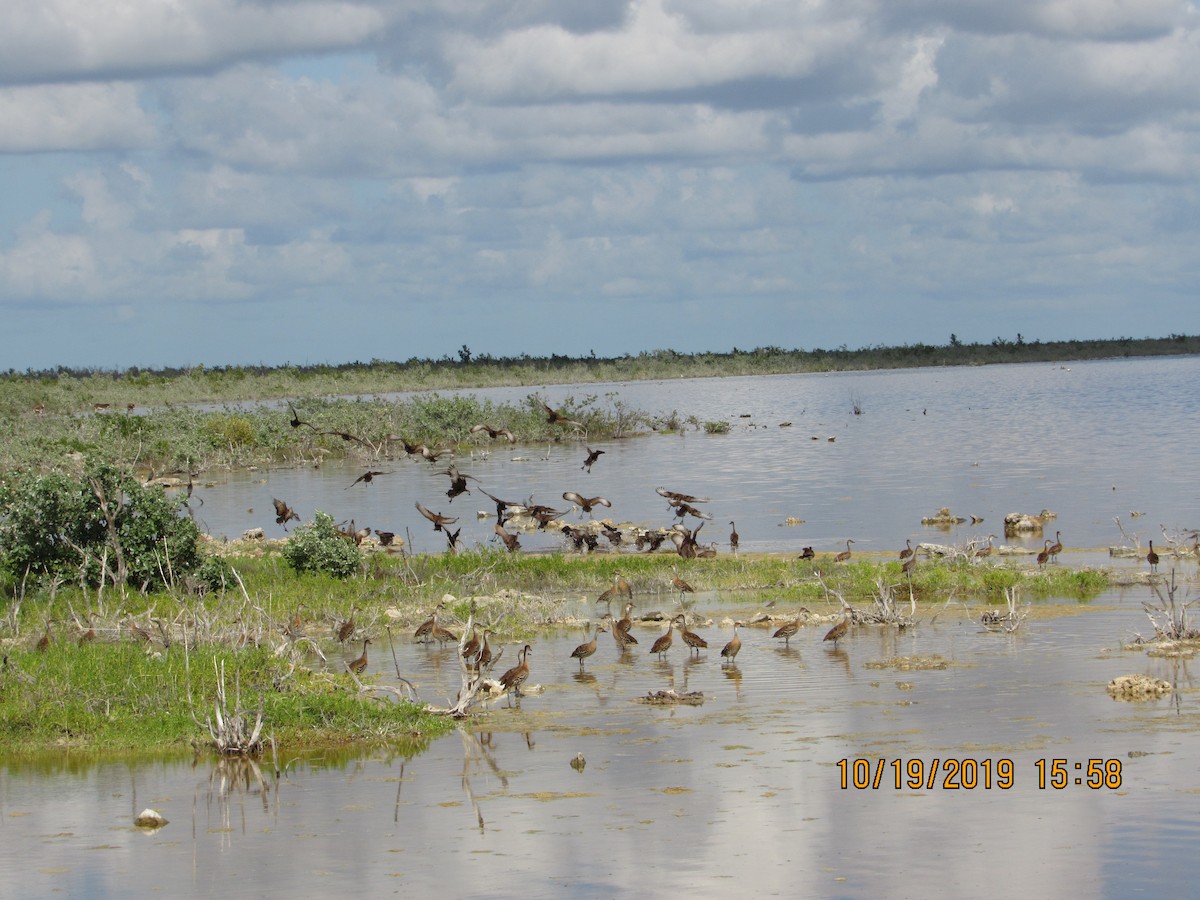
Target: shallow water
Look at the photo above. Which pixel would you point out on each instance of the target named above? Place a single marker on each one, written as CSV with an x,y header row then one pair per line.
x,y
742,793
1090,441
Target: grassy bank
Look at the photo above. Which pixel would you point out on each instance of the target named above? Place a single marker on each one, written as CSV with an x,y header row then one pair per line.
x,y
120,692
191,439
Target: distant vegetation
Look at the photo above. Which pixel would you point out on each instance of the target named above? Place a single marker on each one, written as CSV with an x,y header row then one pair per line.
x,y
156,421
64,390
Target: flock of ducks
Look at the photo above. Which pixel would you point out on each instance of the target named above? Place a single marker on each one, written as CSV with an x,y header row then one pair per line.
x,y
526,514
478,655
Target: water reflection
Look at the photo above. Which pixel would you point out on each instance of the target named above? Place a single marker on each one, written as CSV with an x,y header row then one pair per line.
x,y
742,791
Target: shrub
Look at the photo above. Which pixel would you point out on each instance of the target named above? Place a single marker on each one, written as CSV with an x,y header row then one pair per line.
x,y
74,527
216,573
320,547
231,431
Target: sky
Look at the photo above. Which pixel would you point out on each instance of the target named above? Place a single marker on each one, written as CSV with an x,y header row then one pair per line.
x,y
227,182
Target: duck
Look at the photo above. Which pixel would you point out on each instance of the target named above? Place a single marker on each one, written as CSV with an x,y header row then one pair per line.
x,y
518,674
358,665
583,651
734,647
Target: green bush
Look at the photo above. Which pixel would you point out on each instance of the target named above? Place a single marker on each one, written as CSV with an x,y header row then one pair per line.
x,y
216,573
231,431
320,547
74,527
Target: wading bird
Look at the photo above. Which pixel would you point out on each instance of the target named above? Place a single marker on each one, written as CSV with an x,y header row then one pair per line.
x,y
1045,554
734,539
734,647
583,651
485,653
620,588
426,627
693,640
358,665
623,625
838,631
470,650
1056,547
663,644
845,554
518,674
1152,558
443,635
787,630
907,551
680,585
346,629
623,639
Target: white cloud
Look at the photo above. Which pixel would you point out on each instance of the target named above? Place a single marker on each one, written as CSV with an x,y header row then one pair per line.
x,y
655,50
73,117
544,155
58,40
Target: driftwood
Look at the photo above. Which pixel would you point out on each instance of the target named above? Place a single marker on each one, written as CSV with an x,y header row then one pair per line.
x,y
886,612
1010,621
232,733
473,682
1170,616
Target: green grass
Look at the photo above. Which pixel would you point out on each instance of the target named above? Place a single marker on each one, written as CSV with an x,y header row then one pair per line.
x,y
116,696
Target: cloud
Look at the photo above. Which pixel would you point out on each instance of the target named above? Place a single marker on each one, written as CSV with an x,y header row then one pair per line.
x,y
657,49
73,117
535,165
69,40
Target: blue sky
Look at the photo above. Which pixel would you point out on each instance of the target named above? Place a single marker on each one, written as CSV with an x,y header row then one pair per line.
x,y
246,181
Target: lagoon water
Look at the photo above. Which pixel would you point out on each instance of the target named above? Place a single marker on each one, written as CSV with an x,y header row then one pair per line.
x,y
743,793
1091,441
